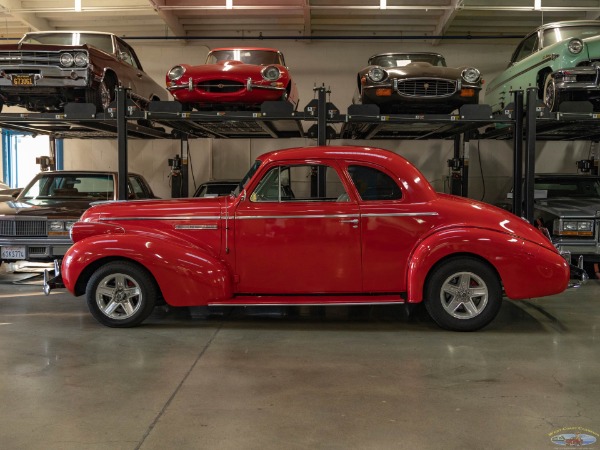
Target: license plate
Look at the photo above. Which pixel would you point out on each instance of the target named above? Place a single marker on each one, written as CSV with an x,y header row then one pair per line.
x,y
13,252
22,80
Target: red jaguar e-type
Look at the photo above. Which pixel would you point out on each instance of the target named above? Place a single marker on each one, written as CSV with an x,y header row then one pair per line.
x,y
234,77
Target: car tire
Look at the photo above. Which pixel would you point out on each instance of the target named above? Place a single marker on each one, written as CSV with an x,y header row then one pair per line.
x,y
103,94
463,294
551,95
121,294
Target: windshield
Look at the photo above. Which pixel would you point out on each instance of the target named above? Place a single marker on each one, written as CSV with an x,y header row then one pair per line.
x,y
554,35
59,187
100,41
404,59
257,57
246,178
580,187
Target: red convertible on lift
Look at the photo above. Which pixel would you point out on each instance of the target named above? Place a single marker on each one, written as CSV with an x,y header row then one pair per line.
x,y
312,226
233,77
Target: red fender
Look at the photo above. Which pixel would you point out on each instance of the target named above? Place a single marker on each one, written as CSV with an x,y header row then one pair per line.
x,y
540,271
187,275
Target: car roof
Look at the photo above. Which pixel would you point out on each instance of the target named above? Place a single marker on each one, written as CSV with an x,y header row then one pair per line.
x,y
83,172
407,53
220,182
567,23
69,32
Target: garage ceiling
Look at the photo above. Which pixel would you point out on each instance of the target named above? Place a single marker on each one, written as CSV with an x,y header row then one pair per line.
x,y
291,18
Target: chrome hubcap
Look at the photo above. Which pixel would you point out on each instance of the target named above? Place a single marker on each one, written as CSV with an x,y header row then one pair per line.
x,y
118,296
464,295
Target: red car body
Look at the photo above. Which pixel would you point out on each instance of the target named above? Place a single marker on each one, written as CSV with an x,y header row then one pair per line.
x,y
376,233
240,77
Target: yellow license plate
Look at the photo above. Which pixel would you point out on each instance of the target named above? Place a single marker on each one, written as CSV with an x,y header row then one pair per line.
x,y
22,80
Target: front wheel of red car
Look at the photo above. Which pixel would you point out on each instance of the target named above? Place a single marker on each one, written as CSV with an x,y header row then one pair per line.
x,y
463,294
121,294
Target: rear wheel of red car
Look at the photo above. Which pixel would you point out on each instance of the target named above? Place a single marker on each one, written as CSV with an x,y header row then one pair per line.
x,y
463,294
121,294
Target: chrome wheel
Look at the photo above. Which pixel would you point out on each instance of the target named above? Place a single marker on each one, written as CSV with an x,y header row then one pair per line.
x,y
121,294
550,94
118,296
464,295
104,95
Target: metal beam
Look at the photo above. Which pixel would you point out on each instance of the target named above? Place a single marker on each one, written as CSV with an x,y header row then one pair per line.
x,y
31,20
170,19
446,20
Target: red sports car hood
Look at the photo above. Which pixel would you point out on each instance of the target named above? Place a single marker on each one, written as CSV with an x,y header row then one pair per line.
x,y
229,68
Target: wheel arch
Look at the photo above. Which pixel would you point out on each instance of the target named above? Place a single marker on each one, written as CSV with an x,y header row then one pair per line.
x,y
541,80
89,270
461,255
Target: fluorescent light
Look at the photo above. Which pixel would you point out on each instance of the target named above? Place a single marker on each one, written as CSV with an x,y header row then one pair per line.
x,y
382,4
229,4
537,5
77,5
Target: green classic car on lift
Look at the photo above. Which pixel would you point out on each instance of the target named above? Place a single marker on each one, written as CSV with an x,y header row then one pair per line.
x,y
562,59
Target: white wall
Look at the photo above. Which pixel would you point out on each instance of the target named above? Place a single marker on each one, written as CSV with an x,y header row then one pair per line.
x,y
333,64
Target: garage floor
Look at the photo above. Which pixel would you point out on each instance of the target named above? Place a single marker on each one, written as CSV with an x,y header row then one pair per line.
x,y
360,378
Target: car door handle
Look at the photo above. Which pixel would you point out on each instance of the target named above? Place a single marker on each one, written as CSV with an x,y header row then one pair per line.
x,y
354,222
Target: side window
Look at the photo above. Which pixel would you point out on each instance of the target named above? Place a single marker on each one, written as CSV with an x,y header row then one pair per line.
x,y
304,182
125,54
373,184
137,189
527,47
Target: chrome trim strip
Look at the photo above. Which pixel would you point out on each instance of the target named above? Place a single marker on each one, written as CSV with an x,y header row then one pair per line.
x,y
362,303
116,219
305,216
196,227
401,214
545,59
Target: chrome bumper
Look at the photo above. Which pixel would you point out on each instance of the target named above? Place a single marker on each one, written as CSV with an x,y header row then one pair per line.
x,y
54,282
578,275
249,86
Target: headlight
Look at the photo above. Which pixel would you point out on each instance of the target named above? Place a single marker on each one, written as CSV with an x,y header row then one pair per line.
x,y
66,59
377,74
575,46
81,59
176,73
574,228
56,225
471,75
271,73
69,224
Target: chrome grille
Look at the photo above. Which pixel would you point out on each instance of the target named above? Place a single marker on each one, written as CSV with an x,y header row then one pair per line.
x,y
426,87
220,86
38,251
40,58
23,228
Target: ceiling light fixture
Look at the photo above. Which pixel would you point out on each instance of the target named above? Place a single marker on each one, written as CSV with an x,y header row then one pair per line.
x,y
77,5
382,4
229,4
537,5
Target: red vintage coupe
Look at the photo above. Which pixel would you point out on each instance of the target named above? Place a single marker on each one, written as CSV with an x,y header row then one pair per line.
x,y
312,226
235,78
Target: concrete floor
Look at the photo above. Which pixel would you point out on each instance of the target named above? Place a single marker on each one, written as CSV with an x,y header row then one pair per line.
x,y
366,378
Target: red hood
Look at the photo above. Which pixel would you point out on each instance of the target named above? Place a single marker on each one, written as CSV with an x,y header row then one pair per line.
x,y
146,209
227,68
